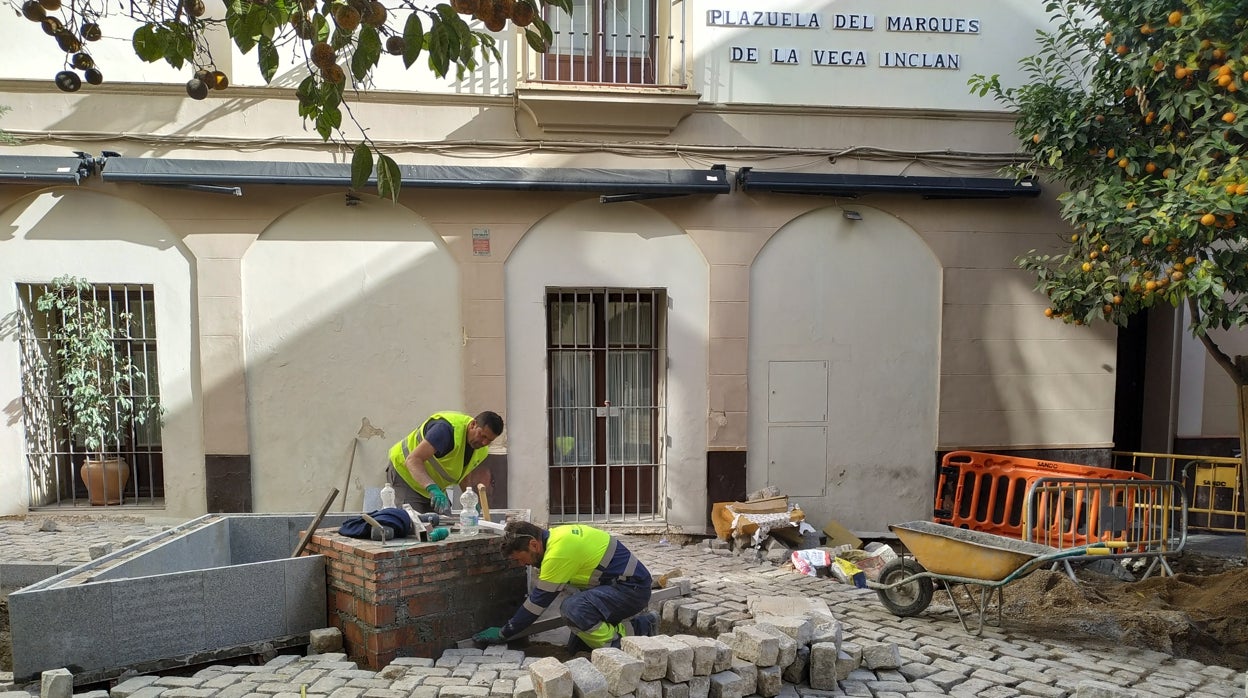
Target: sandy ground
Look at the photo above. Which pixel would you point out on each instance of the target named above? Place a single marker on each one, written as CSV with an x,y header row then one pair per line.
x,y
1199,613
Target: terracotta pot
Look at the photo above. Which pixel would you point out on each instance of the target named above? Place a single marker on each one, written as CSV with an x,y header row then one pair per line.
x,y
106,480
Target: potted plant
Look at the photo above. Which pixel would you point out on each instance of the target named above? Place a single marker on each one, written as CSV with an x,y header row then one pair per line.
x,y
96,381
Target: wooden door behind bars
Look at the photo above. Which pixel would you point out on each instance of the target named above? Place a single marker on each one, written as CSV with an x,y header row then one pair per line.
x,y
606,418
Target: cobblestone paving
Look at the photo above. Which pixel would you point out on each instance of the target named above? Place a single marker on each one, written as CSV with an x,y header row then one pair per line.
x,y
938,657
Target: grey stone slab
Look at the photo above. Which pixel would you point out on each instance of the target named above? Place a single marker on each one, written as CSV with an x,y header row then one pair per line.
x,y
823,656
725,684
15,575
679,659
671,689
305,593
55,628
748,673
244,604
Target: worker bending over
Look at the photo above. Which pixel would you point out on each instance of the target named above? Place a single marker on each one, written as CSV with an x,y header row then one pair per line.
x,y
614,585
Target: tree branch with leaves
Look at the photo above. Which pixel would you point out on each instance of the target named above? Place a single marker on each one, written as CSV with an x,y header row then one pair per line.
x,y
1138,107
340,42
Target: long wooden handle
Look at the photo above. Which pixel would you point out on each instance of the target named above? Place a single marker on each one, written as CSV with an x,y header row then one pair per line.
x,y
485,502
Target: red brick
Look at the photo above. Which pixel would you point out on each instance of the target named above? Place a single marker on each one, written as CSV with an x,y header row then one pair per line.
x,y
376,615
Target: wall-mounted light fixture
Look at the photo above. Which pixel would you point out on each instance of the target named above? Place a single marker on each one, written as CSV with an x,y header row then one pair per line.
x,y
851,214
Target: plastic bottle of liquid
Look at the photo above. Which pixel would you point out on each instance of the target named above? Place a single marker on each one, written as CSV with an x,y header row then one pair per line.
x,y
387,496
468,512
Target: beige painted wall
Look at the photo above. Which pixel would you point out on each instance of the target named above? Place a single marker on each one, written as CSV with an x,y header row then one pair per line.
x,y
350,313
844,327
58,231
622,245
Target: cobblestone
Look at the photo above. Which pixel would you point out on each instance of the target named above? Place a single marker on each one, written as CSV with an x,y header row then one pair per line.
x,y
937,657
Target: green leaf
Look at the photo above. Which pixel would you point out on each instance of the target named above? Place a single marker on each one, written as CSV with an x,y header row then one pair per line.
x,y
148,44
268,59
367,52
361,166
535,41
389,179
548,36
413,39
439,49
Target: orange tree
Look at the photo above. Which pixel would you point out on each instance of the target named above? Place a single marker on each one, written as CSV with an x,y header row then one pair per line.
x,y
1138,108
341,42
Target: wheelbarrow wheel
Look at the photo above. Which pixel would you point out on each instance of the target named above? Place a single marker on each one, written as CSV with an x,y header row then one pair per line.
x,y
906,598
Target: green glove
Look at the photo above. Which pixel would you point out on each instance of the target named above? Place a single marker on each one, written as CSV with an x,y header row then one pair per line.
x,y
491,635
439,499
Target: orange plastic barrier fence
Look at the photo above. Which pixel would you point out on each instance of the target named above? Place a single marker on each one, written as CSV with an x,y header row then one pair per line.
x,y
986,491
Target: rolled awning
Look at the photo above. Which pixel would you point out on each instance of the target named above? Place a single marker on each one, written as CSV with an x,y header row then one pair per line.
x,y
233,173
44,169
853,185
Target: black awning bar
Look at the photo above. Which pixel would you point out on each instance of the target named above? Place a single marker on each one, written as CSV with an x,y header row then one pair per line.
x,y
854,185
231,173
45,169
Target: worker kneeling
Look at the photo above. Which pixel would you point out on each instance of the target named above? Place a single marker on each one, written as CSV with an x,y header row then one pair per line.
x,y
614,585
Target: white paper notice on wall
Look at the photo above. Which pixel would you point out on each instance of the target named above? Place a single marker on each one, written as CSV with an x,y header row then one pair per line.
x,y
481,242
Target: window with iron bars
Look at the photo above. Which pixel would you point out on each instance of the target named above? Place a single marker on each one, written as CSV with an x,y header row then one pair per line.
x,y
616,42
606,354
53,456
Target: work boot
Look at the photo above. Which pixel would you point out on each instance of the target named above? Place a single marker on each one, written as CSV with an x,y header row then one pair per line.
x,y
646,624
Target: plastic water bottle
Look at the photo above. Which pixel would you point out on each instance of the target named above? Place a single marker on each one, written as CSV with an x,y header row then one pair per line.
x,y
468,512
387,496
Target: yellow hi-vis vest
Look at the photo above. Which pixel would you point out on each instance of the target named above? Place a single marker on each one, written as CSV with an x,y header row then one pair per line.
x,y
447,470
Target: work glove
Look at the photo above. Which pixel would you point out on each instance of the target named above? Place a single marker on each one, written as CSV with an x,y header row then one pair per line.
x,y
490,635
439,500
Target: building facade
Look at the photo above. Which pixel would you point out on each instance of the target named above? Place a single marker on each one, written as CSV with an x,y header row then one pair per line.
x,y
696,249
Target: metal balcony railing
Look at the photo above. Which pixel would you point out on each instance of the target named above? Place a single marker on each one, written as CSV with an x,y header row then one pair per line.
x,y
637,43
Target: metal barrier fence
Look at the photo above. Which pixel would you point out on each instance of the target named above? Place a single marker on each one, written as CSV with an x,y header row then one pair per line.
x,y
1150,516
1212,484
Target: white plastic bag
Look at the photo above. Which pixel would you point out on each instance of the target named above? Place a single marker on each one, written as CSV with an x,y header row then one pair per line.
x,y
808,562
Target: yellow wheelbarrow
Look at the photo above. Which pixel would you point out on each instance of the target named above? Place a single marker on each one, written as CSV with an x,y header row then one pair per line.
x,y
960,557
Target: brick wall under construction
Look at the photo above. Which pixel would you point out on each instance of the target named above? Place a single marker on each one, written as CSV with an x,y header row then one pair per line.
x,y
411,599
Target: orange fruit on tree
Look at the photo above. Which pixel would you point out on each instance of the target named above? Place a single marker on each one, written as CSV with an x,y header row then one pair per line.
x,y
1229,117
1122,49
1105,248
1190,261
1110,153
1129,92
1093,254
1159,66
1167,173
1086,267
1150,167
1123,163
1146,28
1175,18
1225,69
1035,138
1048,312
1150,286
1208,219
1109,38
1224,80
1180,71
1230,189
1149,117
1241,189
1117,300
